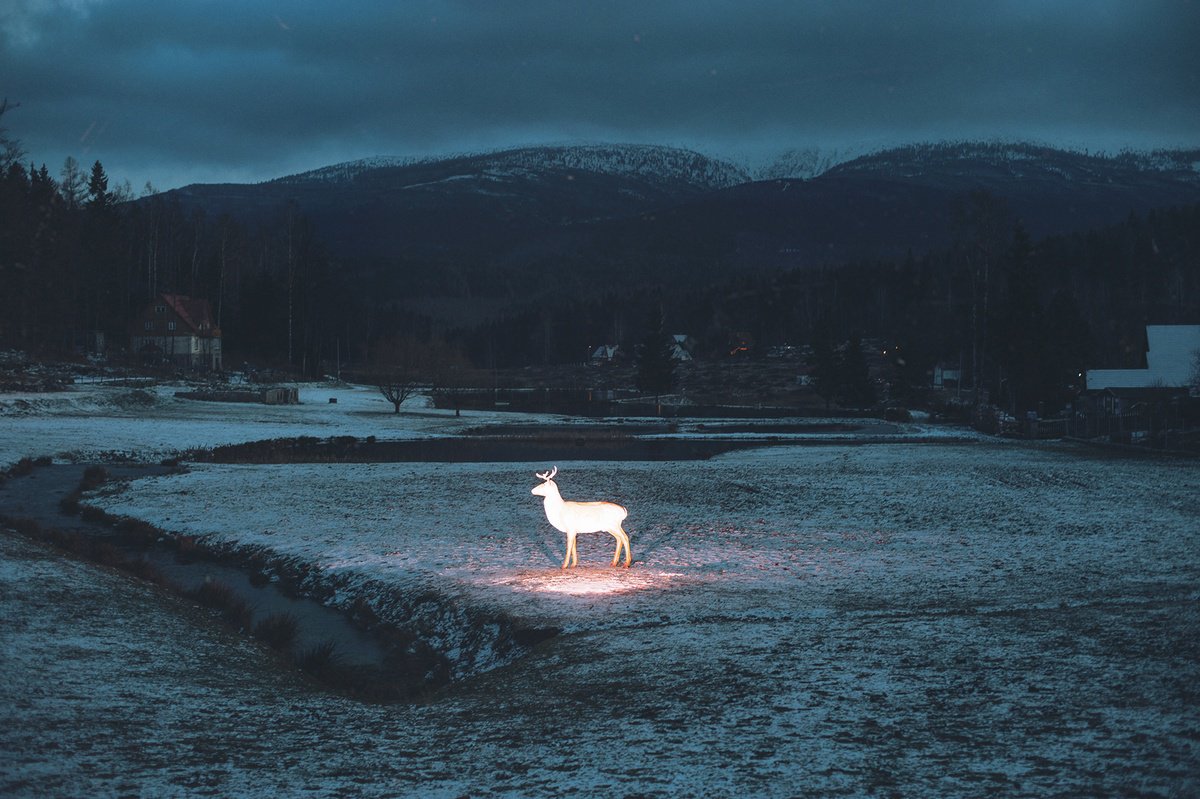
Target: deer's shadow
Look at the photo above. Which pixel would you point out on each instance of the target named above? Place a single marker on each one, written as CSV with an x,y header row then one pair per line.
x,y
540,543
646,543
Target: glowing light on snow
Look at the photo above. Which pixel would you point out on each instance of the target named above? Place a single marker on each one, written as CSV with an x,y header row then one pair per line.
x,y
586,582
599,585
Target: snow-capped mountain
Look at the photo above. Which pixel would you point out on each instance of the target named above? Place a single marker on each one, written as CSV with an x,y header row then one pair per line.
x,y
603,213
804,163
1021,161
347,171
649,163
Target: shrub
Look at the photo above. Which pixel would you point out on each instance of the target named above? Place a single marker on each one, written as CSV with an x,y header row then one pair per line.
x,y
362,612
90,513
136,531
185,548
219,596
145,570
69,504
277,631
213,594
26,527
321,661
22,467
93,476
106,554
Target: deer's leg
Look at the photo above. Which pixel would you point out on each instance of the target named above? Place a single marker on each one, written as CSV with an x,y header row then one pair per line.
x,y
617,554
571,552
625,541
574,550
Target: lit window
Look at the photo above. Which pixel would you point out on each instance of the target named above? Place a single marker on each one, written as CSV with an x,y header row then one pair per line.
x,y
170,325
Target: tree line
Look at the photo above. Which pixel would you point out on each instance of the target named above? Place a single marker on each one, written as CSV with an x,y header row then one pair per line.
x,y
1022,318
79,260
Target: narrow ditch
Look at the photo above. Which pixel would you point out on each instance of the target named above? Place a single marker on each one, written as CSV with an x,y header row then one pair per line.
x,y
477,448
392,646
375,641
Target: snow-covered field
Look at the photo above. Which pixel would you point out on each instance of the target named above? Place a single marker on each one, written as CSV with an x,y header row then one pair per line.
x,y
899,619
96,420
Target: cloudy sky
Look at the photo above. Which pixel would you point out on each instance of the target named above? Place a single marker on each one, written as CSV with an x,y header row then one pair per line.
x,y
181,91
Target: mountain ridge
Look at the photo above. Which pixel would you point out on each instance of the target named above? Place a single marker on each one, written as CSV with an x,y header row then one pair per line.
x,y
653,214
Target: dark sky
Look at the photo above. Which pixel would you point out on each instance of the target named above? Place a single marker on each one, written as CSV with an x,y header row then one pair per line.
x,y
175,91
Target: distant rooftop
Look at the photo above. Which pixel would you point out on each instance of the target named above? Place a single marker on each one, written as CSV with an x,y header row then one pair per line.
x,y
1171,352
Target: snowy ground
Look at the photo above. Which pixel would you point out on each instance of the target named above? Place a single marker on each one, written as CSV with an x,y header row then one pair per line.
x,y
901,619
94,420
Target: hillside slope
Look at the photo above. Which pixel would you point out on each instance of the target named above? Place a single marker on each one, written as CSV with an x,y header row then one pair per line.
x,y
631,214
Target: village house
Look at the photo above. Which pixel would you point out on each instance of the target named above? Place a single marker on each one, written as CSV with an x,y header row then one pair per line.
x,y
178,330
606,353
1150,404
946,376
682,346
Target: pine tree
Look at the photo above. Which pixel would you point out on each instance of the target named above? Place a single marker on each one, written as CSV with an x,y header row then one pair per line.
x,y
98,196
855,384
823,363
655,366
1020,339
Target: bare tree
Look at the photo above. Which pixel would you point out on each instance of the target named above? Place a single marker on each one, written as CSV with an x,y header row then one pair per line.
x,y
11,151
450,384
1194,388
73,186
398,387
396,369
983,221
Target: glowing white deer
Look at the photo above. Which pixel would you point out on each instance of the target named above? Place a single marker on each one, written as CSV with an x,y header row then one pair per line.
x,y
574,518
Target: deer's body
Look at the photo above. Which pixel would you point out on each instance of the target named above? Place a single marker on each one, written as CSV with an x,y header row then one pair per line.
x,y
574,518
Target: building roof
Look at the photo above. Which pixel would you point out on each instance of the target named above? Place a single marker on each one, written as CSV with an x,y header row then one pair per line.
x,y
1139,393
1171,352
193,312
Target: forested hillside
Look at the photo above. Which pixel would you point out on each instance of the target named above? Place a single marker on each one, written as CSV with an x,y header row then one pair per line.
x,y
979,282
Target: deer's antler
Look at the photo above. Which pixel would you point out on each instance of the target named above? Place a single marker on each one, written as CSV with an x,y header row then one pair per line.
x,y
547,475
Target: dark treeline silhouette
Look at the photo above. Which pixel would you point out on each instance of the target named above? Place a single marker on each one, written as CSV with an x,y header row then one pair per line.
x,y
77,262
1020,318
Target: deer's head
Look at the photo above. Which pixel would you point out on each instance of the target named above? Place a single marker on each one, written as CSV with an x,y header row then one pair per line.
x,y
547,487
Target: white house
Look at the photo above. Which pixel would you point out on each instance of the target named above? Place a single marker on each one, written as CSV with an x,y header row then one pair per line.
x,y
1171,352
681,346
945,376
606,353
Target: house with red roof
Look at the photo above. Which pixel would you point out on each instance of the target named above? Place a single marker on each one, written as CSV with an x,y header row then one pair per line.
x,y
179,330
